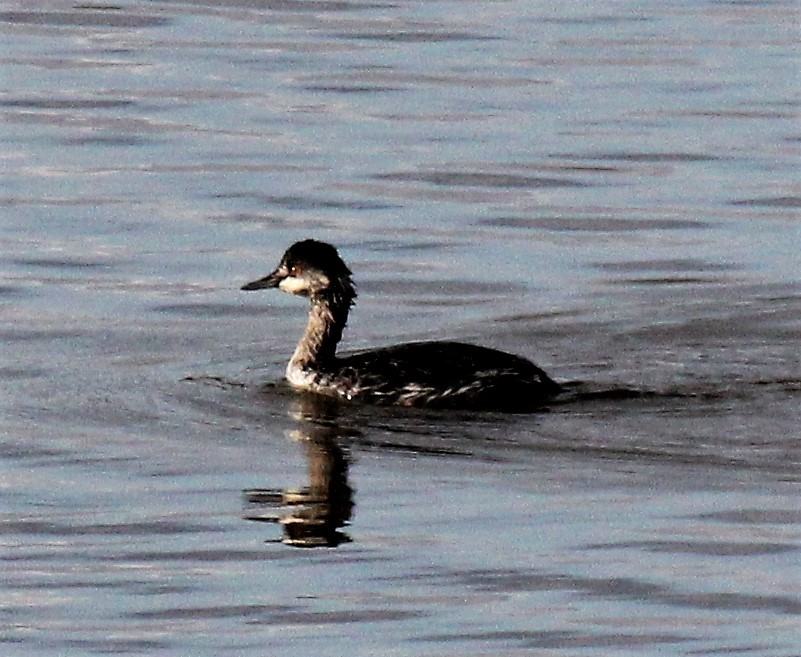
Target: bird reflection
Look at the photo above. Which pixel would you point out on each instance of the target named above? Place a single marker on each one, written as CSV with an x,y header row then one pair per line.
x,y
312,516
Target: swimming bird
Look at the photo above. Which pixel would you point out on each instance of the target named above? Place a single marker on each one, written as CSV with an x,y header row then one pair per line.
x,y
440,374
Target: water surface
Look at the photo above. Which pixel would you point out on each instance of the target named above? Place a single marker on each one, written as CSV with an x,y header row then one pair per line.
x,y
610,191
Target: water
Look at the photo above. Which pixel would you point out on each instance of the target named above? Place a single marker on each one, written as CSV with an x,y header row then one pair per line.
x,y
611,191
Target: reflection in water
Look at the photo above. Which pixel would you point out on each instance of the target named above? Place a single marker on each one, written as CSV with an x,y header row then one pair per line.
x,y
312,516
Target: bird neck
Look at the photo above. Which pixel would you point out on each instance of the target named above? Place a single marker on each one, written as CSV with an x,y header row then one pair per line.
x,y
328,316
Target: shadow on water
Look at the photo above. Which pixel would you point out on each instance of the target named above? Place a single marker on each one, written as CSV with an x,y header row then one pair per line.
x,y
314,515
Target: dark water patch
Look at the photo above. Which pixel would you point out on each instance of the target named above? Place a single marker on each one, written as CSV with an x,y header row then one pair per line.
x,y
108,140
779,604
440,289
563,639
93,7
63,263
669,265
45,528
730,328
592,224
387,445
266,220
416,36
654,158
26,451
300,6
692,391
292,202
579,391
361,615
210,310
755,516
12,291
208,556
393,78
218,381
82,19
624,588
234,555
586,168
62,202
17,373
471,179
565,323
272,496
667,280
311,203
703,548
350,88
769,202
73,122
384,245
65,103
681,268
30,335
229,164
58,585
596,19
112,646
209,613
737,114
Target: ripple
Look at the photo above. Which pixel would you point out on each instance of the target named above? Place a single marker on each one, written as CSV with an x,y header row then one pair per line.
x,y
361,615
478,179
65,103
299,202
756,516
83,19
564,639
513,581
705,548
63,263
642,157
675,265
771,202
592,224
209,310
46,528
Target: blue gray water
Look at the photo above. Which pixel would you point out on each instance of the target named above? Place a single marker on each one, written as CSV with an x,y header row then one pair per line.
x,y
611,190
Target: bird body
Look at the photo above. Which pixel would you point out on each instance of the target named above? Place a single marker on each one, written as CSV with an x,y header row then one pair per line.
x,y
433,374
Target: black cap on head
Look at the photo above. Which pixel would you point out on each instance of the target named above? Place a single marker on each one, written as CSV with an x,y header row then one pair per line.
x,y
308,260
311,254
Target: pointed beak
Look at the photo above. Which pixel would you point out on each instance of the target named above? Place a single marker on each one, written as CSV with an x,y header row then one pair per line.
x,y
269,281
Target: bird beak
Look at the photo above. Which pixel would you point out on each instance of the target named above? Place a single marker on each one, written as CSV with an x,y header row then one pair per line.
x,y
269,281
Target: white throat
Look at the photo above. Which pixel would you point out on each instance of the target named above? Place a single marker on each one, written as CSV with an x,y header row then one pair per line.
x,y
294,285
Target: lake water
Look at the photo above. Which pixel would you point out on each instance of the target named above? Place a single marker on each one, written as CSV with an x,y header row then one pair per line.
x,y
610,190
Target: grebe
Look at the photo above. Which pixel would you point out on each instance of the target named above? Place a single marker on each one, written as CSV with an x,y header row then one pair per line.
x,y
435,374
